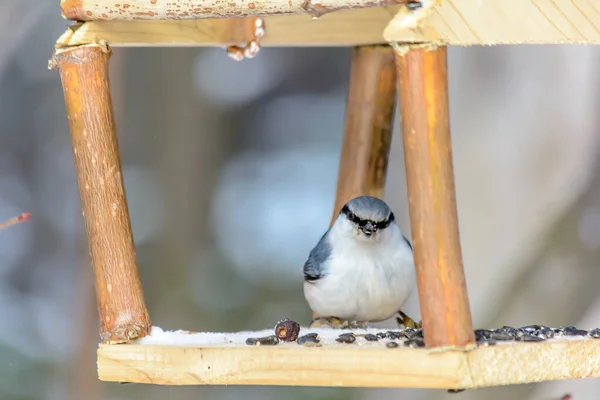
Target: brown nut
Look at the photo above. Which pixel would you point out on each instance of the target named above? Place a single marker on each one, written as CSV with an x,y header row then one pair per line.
x,y
287,330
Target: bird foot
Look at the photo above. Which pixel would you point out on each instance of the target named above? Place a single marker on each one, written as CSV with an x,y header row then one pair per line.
x,y
329,322
407,321
356,325
336,323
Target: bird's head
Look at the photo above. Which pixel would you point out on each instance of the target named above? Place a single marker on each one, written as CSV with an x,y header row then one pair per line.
x,y
368,217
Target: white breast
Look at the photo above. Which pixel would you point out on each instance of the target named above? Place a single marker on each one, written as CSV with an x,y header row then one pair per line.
x,y
364,280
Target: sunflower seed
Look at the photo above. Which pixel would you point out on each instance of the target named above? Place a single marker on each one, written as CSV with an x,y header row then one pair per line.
x,y
531,338
414,5
346,338
501,336
394,334
508,329
251,341
414,343
267,341
418,334
483,333
391,345
309,340
530,328
371,338
547,332
572,331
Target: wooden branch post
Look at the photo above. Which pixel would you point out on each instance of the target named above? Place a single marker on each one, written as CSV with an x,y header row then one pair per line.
x,y
84,75
368,125
423,82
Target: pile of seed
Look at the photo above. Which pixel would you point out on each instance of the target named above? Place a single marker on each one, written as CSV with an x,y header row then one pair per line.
x,y
288,331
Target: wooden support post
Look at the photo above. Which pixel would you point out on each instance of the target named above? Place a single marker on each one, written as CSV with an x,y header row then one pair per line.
x,y
84,75
423,82
368,125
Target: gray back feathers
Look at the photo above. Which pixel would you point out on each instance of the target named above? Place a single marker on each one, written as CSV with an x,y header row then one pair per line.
x,y
313,268
369,208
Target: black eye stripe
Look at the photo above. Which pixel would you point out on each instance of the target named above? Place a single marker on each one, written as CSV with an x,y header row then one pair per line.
x,y
362,222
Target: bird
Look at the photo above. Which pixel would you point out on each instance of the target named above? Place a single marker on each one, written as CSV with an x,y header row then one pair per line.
x,y
362,269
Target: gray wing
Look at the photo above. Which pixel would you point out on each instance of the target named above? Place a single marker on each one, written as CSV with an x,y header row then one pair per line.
x,y
313,268
407,242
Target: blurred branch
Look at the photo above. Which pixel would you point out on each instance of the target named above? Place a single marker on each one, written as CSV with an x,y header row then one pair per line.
x,y
23,217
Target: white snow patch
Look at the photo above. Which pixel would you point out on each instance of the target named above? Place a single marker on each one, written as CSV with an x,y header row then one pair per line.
x,y
327,337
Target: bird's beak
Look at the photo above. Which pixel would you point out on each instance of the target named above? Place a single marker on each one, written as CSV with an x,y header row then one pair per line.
x,y
369,229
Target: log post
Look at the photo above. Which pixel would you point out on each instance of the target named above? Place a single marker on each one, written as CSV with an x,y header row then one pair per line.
x,y
84,75
368,125
423,83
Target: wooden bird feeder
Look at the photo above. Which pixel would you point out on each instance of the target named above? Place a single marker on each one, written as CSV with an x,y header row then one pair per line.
x,y
399,48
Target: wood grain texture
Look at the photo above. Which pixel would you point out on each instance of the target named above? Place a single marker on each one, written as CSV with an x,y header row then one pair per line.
x,y
102,10
335,29
84,76
423,82
351,365
476,22
368,124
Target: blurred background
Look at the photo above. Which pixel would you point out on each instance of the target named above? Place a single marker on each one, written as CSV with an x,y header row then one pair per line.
x,y
230,185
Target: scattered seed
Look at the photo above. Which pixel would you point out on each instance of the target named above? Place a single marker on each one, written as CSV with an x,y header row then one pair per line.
x,y
508,329
482,334
251,341
501,336
417,334
595,333
371,338
287,330
394,334
346,338
531,338
414,343
519,334
547,332
456,390
391,345
530,328
408,331
309,340
381,335
414,5
572,331
267,341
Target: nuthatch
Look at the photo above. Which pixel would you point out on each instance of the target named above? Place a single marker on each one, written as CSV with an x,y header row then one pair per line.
x,y
362,270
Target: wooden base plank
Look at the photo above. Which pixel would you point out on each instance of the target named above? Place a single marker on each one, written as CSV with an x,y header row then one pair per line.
x,y
335,29
367,365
